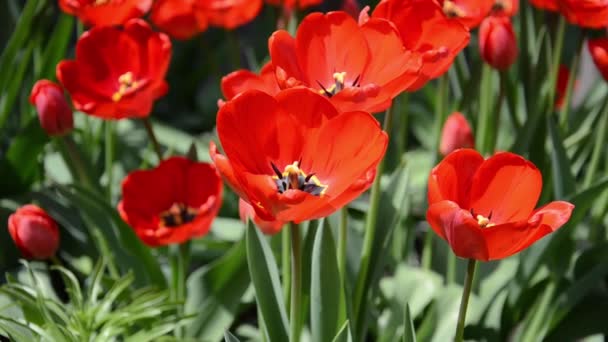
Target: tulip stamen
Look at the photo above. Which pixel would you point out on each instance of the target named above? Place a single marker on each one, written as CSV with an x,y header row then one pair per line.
x,y
177,215
339,84
482,221
126,83
293,178
451,10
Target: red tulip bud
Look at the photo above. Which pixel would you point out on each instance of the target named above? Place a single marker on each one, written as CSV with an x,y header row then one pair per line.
x,y
456,134
54,112
598,48
351,7
35,233
497,42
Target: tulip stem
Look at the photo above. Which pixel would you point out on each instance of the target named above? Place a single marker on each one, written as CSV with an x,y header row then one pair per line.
x,y
484,138
563,118
180,258
464,303
342,244
440,111
153,139
370,232
599,146
109,156
556,57
286,267
296,283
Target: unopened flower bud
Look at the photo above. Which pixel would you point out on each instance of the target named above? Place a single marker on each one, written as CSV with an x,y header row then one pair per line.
x,y
497,42
35,233
54,112
456,134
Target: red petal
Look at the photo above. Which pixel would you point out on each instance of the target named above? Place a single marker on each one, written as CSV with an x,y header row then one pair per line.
x,y
506,185
452,178
282,48
459,229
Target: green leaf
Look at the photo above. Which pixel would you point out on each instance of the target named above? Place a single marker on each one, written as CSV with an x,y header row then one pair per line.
x,y
325,291
57,45
563,181
265,277
228,337
343,334
20,167
214,293
409,334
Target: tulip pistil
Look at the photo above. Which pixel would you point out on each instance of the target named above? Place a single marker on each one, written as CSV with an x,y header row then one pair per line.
x,y
177,215
126,82
339,84
293,178
484,222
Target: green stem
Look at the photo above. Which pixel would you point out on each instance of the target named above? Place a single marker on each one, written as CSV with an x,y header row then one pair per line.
x,y
599,146
342,242
483,138
427,250
511,100
296,283
556,58
180,260
466,293
286,267
370,228
440,111
76,164
152,136
563,118
450,269
109,156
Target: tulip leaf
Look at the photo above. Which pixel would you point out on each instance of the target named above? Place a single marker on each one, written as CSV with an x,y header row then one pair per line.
x,y
563,180
57,45
20,166
343,334
265,278
324,299
214,293
409,334
228,337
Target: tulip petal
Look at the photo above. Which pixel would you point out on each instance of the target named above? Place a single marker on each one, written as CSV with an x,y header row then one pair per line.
x,y
452,178
459,229
506,186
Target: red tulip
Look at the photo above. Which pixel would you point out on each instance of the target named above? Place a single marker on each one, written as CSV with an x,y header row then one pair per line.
x,y
230,14
301,4
293,156
35,233
598,48
105,12
497,42
246,211
117,73
585,13
485,210
456,134
54,112
241,80
425,29
351,7
181,19
357,68
172,203
549,5
468,12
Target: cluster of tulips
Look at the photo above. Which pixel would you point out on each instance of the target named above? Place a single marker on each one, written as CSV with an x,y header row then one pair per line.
x,y
305,135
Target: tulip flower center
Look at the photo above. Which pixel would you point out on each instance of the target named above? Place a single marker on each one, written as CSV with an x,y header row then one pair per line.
x,y
339,84
293,178
482,221
451,10
126,83
177,215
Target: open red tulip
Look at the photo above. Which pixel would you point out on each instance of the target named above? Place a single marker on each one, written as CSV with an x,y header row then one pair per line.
x,y
484,209
172,203
356,67
425,29
292,3
105,12
294,157
181,19
118,72
549,5
246,211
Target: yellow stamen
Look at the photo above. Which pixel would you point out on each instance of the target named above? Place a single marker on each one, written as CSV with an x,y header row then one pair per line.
x,y
484,222
339,77
126,82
